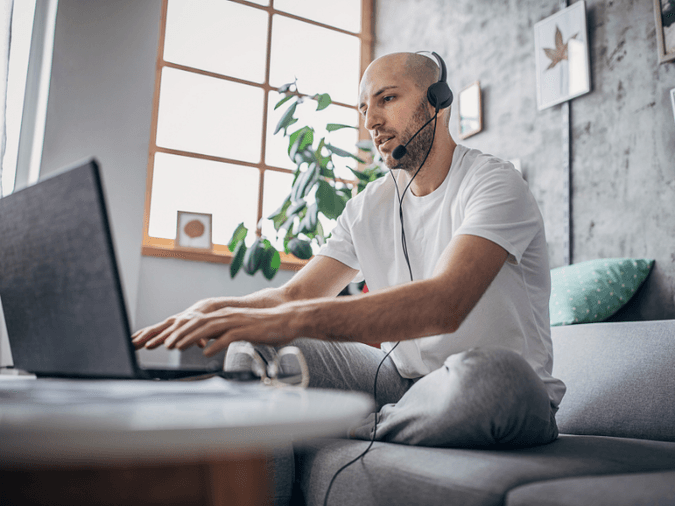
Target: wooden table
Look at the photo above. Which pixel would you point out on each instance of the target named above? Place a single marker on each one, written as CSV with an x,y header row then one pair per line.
x,y
142,442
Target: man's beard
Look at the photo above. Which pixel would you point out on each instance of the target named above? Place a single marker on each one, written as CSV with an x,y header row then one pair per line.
x,y
417,150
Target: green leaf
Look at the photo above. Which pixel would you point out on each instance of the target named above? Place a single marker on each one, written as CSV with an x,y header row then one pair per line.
x,y
253,257
360,175
279,217
295,136
308,223
237,259
271,262
282,208
327,173
342,152
331,127
323,101
304,183
238,235
287,119
300,248
345,193
328,201
283,101
299,141
296,208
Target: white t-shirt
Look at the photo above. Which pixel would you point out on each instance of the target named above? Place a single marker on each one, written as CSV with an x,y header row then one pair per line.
x,y
481,196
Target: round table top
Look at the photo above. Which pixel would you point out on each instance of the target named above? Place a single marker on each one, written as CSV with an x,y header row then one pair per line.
x,y
81,421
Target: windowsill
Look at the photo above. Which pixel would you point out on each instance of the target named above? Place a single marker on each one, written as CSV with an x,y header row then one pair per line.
x,y
220,254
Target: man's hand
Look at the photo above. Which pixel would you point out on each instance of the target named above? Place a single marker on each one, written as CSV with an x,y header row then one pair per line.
x,y
154,335
252,316
272,326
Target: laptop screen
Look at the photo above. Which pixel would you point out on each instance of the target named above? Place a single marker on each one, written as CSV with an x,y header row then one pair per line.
x,y
59,284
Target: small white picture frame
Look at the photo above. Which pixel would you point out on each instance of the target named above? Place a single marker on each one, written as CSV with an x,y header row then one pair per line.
x,y
470,110
672,101
193,230
562,57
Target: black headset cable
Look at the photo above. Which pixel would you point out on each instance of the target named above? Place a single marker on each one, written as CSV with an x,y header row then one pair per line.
x,y
407,259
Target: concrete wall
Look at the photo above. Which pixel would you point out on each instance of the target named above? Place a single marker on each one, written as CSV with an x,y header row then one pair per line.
x,y
623,132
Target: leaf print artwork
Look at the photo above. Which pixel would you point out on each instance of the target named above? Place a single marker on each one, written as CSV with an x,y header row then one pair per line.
x,y
559,53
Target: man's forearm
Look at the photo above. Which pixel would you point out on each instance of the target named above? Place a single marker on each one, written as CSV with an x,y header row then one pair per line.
x,y
399,313
265,298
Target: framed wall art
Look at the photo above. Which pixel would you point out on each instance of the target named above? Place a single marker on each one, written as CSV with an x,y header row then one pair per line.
x,y
664,12
193,230
470,111
561,56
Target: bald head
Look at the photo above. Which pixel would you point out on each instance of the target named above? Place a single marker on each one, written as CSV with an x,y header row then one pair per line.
x,y
414,70
418,69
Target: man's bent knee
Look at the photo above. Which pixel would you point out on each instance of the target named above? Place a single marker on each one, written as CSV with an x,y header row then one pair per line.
x,y
508,391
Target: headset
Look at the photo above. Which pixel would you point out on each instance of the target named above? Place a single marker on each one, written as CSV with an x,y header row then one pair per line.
x,y
440,97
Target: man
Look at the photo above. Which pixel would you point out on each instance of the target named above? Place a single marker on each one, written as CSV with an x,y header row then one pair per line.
x,y
473,366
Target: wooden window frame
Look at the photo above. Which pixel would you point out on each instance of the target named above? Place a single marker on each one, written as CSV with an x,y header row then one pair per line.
x,y
166,248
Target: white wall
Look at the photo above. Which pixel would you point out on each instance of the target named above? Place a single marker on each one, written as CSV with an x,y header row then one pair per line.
x,y
100,104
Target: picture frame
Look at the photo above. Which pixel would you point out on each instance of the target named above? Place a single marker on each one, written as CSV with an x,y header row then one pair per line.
x,y
664,14
672,101
470,110
562,56
194,230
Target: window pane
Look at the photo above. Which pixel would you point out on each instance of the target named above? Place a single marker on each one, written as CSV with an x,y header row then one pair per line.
x,y
323,60
345,14
211,116
346,138
179,183
22,28
222,37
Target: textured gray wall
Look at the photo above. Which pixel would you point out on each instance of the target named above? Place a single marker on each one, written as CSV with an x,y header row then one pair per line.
x,y
623,132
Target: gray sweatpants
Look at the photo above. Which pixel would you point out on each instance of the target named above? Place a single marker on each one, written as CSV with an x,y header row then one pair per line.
x,y
484,397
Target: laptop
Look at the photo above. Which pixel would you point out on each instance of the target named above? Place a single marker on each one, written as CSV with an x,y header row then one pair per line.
x,y
60,287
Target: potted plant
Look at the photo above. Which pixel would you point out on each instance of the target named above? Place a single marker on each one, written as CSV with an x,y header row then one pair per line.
x,y
315,190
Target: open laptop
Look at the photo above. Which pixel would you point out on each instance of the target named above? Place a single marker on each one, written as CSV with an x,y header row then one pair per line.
x,y
60,287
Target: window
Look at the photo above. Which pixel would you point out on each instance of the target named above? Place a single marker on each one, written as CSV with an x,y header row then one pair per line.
x,y
219,65
21,31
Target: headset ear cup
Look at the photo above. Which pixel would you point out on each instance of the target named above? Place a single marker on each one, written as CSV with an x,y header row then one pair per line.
x,y
439,95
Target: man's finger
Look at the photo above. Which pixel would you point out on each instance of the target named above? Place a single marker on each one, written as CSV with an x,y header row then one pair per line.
x,y
144,335
209,329
221,343
163,335
186,328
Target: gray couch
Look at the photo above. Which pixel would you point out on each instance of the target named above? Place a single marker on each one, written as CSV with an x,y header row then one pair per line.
x,y
617,442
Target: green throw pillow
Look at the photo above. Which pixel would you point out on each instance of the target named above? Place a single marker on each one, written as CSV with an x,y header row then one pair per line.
x,y
593,291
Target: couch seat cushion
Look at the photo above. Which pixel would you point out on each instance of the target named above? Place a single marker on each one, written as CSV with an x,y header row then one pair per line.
x,y
396,474
655,489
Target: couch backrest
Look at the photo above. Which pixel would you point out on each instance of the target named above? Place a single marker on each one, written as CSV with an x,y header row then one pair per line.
x,y
620,378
